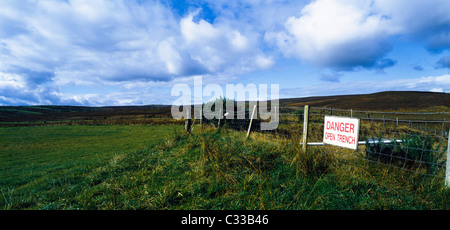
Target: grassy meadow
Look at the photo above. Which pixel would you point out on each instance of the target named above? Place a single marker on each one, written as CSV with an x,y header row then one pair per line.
x,y
43,164
160,167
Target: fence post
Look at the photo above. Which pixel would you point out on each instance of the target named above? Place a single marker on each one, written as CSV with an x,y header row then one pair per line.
x,y
220,115
201,119
276,114
447,168
188,121
305,128
251,119
187,125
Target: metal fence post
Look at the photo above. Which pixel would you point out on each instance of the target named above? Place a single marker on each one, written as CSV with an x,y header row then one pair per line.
x,y
305,128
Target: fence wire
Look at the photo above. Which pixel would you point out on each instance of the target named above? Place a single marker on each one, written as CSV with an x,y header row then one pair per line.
x,y
414,142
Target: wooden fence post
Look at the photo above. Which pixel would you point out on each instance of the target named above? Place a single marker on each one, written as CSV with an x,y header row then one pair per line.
x,y
188,121
251,120
187,125
305,128
220,115
447,168
201,119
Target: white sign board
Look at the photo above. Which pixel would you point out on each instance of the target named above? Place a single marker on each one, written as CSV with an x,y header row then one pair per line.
x,y
341,131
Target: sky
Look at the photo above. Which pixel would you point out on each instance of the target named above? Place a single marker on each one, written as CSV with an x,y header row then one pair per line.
x,y
133,52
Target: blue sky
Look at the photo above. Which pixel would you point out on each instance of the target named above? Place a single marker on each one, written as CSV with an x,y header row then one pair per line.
x,y
132,52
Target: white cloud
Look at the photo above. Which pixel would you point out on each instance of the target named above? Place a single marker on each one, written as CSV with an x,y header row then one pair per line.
x,y
221,48
11,80
170,56
108,39
17,89
99,38
238,41
97,43
348,34
423,21
437,90
197,32
430,83
336,34
264,62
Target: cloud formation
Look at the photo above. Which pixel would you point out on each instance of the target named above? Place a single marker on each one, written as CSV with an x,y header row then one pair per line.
x,y
220,47
347,35
341,35
48,46
93,43
423,21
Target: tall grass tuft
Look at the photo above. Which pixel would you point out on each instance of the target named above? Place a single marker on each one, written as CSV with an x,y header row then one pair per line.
x,y
315,162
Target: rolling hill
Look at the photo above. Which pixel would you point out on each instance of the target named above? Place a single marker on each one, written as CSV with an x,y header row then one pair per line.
x,y
382,101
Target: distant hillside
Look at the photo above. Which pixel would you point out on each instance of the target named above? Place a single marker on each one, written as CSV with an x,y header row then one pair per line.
x,y
382,101
56,113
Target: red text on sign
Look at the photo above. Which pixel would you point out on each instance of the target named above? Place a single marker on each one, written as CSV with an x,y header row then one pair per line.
x,y
341,127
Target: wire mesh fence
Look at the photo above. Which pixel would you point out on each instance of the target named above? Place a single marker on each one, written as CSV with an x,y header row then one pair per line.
x,y
414,142
418,153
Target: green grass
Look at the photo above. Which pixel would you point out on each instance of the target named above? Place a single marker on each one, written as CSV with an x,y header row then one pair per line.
x,y
42,163
205,170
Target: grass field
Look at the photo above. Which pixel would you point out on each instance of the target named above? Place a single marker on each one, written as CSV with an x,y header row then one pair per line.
x,y
157,167
68,157
43,164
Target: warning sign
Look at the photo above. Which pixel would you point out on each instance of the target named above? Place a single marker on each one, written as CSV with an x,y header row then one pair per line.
x,y
341,131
